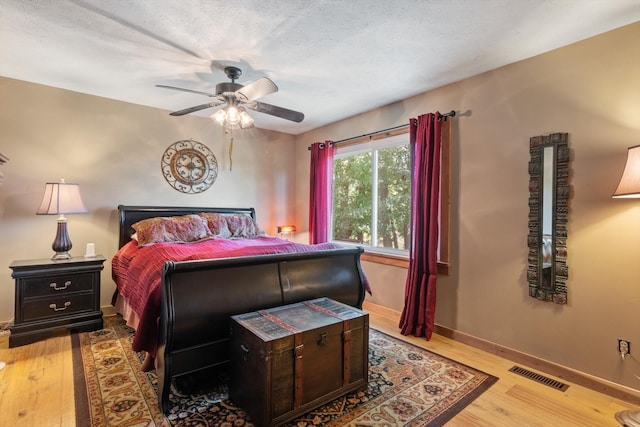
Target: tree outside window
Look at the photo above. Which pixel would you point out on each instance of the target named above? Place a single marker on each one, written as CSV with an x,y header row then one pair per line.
x,y
372,195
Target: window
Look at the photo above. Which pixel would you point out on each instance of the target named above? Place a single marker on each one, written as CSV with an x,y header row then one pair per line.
x,y
372,197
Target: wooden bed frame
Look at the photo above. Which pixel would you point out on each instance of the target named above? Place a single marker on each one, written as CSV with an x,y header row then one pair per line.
x,y
199,297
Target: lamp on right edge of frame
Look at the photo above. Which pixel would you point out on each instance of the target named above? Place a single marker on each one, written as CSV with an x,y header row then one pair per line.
x,y
629,187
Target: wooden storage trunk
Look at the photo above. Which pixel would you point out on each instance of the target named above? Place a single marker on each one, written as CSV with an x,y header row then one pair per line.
x,y
289,360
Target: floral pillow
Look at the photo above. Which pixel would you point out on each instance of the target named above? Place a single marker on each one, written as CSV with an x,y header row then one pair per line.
x,y
217,224
243,226
186,228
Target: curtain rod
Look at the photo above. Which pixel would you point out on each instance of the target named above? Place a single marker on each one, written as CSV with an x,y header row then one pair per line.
x,y
451,113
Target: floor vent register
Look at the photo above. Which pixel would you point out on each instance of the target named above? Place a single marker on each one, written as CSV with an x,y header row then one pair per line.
x,y
539,378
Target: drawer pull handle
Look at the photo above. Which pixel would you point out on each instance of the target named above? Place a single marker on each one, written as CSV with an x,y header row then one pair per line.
x,y
54,285
55,306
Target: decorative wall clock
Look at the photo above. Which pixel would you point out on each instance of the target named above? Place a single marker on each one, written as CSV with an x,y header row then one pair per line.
x,y
189,166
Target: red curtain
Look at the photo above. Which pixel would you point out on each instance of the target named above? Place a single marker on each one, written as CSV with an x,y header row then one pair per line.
x,y
420,290
320,195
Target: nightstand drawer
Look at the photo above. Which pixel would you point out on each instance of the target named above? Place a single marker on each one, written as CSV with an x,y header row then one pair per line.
x,y
42,308
57,285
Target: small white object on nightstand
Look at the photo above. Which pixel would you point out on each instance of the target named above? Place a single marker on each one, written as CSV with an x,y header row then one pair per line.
x,y
91,251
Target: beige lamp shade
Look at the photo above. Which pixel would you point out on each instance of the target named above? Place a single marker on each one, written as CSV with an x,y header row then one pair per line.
x,y
61,198
629,186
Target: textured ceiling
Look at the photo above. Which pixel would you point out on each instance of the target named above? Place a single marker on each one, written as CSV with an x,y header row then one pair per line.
x,y
330,59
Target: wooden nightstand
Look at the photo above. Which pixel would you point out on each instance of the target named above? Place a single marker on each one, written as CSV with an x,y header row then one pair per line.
x,y
55,294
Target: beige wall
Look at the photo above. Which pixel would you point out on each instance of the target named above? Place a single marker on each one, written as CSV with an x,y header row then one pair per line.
x,y
113,150
590,90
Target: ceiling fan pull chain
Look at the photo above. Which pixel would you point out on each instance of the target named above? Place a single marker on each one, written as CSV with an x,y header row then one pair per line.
x,y
231,151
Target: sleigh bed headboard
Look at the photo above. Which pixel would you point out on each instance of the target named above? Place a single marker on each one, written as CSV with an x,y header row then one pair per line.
x,y
129,215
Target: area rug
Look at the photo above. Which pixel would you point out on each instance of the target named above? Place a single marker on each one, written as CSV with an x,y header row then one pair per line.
x,y
408,386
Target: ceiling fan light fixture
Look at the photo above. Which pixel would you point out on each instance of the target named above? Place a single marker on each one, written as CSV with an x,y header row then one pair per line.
x,y
233,115
219,116
233,118
246,121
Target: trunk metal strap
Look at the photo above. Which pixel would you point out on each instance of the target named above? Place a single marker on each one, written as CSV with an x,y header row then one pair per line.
x,y
298,371
346,348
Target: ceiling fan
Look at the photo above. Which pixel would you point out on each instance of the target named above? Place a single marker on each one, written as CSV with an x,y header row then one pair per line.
x,y
236,95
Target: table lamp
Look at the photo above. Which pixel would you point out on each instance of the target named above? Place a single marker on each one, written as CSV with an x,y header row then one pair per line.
x,y
61,198
285,229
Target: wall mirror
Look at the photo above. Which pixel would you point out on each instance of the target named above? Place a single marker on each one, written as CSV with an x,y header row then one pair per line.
x,y
548,272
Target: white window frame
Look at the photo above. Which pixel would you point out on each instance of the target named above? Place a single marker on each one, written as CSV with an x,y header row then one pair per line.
x,y
371,146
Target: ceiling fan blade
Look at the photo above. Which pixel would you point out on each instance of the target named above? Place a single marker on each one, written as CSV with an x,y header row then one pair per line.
x,y
273,110
196,108
186,90
261,87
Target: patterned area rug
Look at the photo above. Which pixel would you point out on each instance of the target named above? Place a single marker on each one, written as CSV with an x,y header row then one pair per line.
x,y
408,386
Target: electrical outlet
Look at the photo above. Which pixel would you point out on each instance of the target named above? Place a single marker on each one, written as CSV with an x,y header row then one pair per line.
x,y
624,347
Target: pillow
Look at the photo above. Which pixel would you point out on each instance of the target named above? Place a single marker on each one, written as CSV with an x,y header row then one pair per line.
x,y
186,228
217,224
243,226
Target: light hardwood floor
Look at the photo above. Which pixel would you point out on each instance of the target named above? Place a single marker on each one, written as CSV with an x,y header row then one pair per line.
x,y
36,388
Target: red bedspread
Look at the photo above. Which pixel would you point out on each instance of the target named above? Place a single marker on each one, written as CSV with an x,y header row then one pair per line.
x,y
137,272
